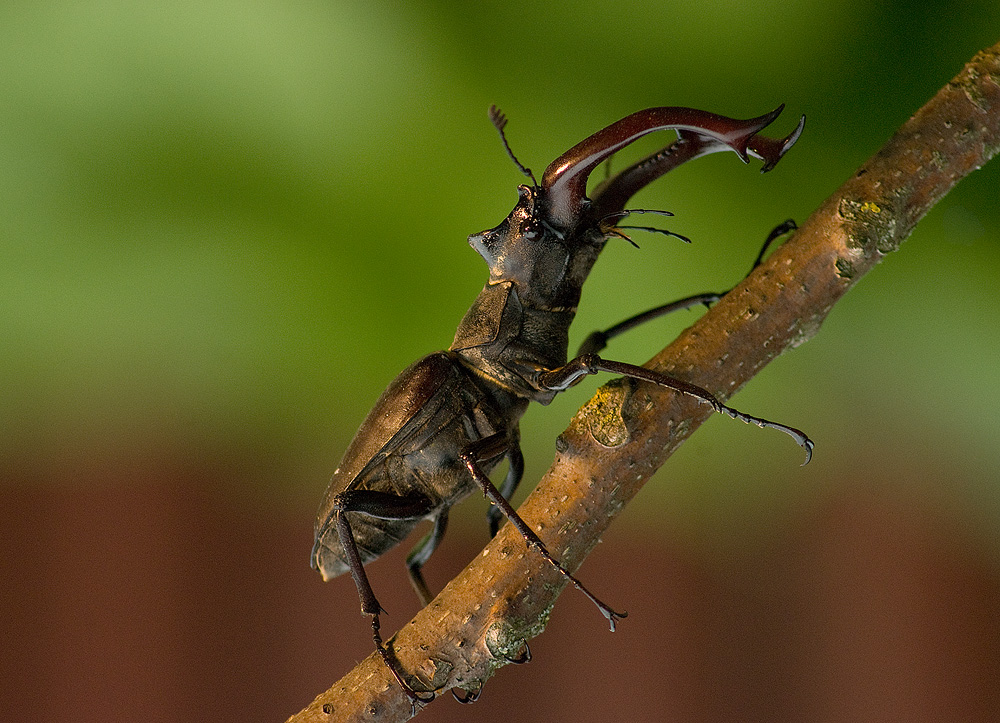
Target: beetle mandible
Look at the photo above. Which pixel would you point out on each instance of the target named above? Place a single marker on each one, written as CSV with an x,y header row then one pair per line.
x,y
441,427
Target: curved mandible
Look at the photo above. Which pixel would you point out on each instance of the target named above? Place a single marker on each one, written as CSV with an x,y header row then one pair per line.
x,y
565,180
610,196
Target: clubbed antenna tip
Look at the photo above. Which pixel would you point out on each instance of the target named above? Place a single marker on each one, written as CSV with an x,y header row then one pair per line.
x,y
499,121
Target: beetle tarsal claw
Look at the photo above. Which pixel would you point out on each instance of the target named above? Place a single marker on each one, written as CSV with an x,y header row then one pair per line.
x,y
523,655
469,697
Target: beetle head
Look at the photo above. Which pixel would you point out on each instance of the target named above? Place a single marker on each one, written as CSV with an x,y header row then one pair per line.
x,y
537,257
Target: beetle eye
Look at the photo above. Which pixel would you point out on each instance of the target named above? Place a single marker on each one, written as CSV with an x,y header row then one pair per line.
x,y
530,231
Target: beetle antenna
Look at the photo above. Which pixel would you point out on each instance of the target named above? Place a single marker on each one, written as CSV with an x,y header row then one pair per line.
x,y
499,121
619,215
653,229
630,211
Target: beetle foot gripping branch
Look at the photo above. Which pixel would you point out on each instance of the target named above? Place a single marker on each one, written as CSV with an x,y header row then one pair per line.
x,y
447,421
564,377
417,700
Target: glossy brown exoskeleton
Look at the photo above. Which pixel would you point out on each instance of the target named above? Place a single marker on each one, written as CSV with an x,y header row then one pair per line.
x,y
440,428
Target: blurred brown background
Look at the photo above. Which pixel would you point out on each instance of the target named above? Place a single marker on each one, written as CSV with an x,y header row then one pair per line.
x,y
224,228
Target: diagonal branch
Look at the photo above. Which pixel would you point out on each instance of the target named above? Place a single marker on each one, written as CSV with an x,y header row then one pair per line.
x,y
503,598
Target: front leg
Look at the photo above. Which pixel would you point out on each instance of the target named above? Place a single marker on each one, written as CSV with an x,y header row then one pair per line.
x,y
598,340
565,376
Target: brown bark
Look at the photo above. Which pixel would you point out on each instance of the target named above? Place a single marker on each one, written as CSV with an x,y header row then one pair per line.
x,y
616,442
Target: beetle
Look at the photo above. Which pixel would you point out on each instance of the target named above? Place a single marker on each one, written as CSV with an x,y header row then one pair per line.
x,y
448,420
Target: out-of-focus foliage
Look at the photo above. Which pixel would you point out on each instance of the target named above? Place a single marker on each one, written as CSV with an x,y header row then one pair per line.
x,y
227,225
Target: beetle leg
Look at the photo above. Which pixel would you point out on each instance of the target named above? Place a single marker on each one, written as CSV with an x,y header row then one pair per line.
x,y
468,698
786,226
419,555
495,446
514,474
523,657
565,376
598,340
386,506
393,665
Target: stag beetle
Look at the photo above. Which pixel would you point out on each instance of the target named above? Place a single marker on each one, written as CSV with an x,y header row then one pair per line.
x,y
441,427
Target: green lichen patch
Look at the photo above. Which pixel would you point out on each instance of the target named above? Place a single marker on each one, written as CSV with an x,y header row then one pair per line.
x,y
604,415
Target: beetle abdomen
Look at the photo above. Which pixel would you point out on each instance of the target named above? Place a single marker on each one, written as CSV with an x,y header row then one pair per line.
x,y
408,447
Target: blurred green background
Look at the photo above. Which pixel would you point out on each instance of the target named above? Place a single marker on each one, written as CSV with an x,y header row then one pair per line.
x,y
226,226
234,223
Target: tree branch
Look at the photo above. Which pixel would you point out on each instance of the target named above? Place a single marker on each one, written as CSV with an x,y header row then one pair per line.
x,y
628,430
